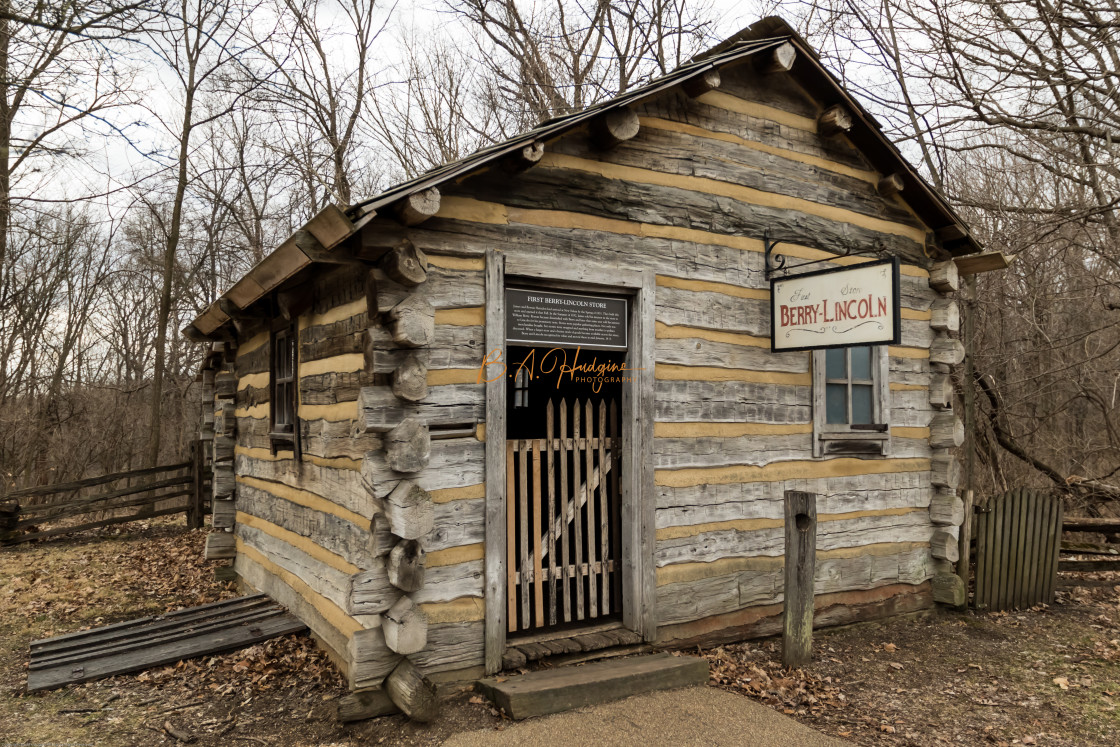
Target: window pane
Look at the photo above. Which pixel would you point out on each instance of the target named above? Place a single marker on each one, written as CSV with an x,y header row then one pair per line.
x,y
836,402
862,410
861,363
835,365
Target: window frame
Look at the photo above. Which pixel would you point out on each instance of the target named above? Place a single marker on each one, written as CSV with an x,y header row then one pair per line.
x,y
831,439
284,435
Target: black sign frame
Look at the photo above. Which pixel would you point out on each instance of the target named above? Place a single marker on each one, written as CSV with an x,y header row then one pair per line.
x,y
896,310
623,330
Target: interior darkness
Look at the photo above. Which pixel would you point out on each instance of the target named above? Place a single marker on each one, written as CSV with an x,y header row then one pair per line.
x,y
533,376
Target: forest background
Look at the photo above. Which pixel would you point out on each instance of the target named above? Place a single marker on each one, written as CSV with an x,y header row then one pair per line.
x,y
151,151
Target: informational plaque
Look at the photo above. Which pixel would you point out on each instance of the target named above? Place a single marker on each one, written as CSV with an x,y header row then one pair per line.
x,y
536,317
836,308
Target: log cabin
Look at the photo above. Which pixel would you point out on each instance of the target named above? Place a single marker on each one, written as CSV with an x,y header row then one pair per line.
x,y
533,401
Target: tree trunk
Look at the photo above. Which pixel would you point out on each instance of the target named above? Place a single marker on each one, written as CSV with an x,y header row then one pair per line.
x,y
169,256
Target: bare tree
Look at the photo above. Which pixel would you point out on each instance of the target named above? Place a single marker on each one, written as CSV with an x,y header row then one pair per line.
x,y
552,58
324,56
198,46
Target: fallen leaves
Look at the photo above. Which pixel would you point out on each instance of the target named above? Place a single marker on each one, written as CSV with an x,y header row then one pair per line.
x,y
738,668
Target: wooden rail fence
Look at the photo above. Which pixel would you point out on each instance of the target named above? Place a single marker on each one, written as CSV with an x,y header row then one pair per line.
x,y
23,513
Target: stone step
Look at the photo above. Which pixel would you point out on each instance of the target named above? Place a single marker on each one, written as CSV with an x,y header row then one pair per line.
x,y
565,688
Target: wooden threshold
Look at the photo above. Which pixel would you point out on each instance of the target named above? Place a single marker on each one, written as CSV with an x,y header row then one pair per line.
x,y
559,643
552,635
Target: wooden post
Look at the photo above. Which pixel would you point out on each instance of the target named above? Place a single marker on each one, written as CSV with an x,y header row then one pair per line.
x,y
9,521
964,540
801,549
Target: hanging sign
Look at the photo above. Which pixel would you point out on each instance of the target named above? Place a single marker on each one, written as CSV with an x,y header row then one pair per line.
x,y
836,308
538,317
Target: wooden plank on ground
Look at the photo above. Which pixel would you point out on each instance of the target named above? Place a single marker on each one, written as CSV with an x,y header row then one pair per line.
x,y
155,641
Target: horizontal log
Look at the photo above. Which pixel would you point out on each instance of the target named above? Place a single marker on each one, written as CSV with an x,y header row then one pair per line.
x,y
762,583
333,533
329,582
613,127
417,207
721,259
839,533
835,120
731,401
696,351
1091,524
943,545
451,404
365,704
945,315
583,192
326,439
340,486
1087,566
220,545
700,504
445,288
223,515
454,463
947,350
725,119
946,509
736,163
371,660
708,80
944,277
452,646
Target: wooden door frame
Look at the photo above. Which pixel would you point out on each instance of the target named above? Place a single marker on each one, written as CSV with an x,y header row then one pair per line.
x,y
639,589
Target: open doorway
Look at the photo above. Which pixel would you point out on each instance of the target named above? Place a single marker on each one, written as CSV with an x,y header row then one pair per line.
x,y
563,477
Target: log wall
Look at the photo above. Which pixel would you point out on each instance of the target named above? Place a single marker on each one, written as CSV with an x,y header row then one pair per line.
x,y
689,199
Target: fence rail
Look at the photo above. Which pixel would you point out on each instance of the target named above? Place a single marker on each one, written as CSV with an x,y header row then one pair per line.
x,y
23,520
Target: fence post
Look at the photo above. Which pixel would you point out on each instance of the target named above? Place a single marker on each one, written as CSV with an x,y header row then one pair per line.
x,y
9,521
801,551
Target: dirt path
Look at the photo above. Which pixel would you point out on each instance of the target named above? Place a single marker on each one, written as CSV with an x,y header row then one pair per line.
x,y
1048,677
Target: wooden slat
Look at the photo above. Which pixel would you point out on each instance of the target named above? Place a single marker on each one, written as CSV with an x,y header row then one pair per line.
x,y
92,481
980,599
511,538
131,628
605,503
151,642
523,535
538,591
1037,525
1016,550
550,516
1008,555
998,548
1058,511
577,533
1022,569
592,548
566,586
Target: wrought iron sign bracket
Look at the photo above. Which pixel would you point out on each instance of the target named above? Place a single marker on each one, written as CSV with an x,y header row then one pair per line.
x,y
777,262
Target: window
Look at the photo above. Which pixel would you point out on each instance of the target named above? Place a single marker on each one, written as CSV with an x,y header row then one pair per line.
x,y
521,388
283,381
851,401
